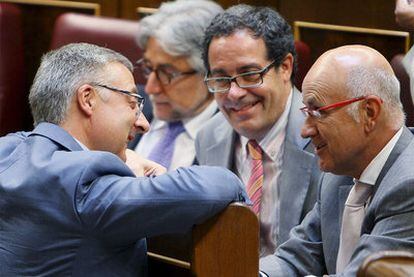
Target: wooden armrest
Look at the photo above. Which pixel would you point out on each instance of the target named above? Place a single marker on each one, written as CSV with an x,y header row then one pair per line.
x,y
388,264
228,244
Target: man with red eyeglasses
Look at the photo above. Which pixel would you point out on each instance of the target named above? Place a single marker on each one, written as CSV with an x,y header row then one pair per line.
x,y
366,201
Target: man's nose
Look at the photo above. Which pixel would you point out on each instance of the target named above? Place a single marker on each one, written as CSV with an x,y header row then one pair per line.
x,y
235,92
141,124
153,85
308,129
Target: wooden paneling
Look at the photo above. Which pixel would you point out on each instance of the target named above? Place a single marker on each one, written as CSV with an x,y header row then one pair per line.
x,y
321,37
369,13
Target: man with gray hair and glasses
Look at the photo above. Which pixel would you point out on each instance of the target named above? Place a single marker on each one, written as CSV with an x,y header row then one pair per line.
x,y
366,201
171,39
73,200
250,55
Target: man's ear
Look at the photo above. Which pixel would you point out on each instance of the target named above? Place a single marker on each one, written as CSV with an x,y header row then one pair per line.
x,y
286,67
371,112
86,99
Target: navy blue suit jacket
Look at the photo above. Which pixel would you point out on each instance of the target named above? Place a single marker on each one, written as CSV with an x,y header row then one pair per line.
x,y
68,212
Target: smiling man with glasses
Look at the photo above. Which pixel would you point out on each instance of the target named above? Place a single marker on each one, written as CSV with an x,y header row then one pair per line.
x,y
366,199
171,39
249,55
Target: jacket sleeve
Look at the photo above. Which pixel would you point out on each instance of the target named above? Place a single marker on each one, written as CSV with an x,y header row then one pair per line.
x,y
302,254
124,209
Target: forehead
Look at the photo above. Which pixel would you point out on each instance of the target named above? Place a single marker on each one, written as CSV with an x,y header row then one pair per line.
x,y
236,50
117,74
155,54
323,85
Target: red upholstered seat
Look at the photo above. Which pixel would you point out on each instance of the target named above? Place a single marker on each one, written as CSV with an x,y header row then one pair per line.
x,y
13,97
114,33
303,62
405,94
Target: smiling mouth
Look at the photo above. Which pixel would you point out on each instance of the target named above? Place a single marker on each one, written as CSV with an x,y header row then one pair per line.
x,y
320,146
244,108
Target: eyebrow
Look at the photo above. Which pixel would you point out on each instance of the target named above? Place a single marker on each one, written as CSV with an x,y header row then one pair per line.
x,y
162,65
239,70
310,101
132,90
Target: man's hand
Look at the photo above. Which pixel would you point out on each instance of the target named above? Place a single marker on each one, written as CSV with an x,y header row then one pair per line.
x,y
141,166
404,14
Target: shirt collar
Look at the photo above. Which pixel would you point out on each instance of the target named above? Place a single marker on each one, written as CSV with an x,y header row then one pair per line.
x,y
371,172
83,146
269,144
194,124
191,125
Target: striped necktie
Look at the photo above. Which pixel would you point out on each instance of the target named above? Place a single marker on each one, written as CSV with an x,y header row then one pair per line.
x,y
255,183
163,151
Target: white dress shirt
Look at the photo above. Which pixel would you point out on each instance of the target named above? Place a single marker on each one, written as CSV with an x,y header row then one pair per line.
x,y
184,149
272,146
371,172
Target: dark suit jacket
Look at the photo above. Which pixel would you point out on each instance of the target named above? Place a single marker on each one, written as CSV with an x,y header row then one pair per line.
x,y
388,225
68,212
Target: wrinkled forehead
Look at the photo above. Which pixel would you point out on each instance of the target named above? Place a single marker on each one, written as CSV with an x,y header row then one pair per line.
x,y
324,82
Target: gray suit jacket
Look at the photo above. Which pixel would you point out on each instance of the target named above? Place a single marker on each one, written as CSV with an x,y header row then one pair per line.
x,y
68,212
388,225
299,177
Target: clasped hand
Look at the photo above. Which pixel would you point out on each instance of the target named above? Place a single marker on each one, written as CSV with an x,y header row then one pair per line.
x,y
141,166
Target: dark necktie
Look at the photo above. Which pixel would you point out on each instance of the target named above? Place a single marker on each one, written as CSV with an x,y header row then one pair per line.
x,y
164,149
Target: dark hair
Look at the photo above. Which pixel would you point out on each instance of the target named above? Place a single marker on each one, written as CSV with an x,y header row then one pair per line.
x,y
262,22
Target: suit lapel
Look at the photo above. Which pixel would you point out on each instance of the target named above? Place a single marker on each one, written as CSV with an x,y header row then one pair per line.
x,y
296,171
335,191
293,185
221,152
400,146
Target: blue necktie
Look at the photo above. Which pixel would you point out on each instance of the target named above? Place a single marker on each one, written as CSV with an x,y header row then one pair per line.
x,y
164,149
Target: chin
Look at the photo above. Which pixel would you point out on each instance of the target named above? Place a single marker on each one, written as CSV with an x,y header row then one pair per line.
x,y
163,116
122,155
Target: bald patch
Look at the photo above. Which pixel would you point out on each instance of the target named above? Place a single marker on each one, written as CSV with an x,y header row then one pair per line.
x,y
334,65
351,56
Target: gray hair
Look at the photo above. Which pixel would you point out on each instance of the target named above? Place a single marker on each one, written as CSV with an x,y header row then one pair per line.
x,y
179,28
62,72
364,81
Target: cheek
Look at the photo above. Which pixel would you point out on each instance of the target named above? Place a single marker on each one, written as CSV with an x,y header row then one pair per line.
x,y
220,99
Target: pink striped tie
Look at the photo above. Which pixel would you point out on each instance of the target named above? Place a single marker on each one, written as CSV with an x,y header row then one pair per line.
x,y
254,186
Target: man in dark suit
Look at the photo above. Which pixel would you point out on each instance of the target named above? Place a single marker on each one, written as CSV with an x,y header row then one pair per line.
x,y
171,39
73,200
366,202
250,55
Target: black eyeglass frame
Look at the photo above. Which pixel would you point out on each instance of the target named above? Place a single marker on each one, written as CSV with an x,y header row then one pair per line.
x,y
139,98
229,80
147,70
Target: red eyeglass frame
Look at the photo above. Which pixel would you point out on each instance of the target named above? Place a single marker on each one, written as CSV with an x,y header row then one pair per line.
x,y
343,103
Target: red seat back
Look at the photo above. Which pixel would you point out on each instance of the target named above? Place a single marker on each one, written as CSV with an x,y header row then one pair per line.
x,y
303,62
13,97
114,33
